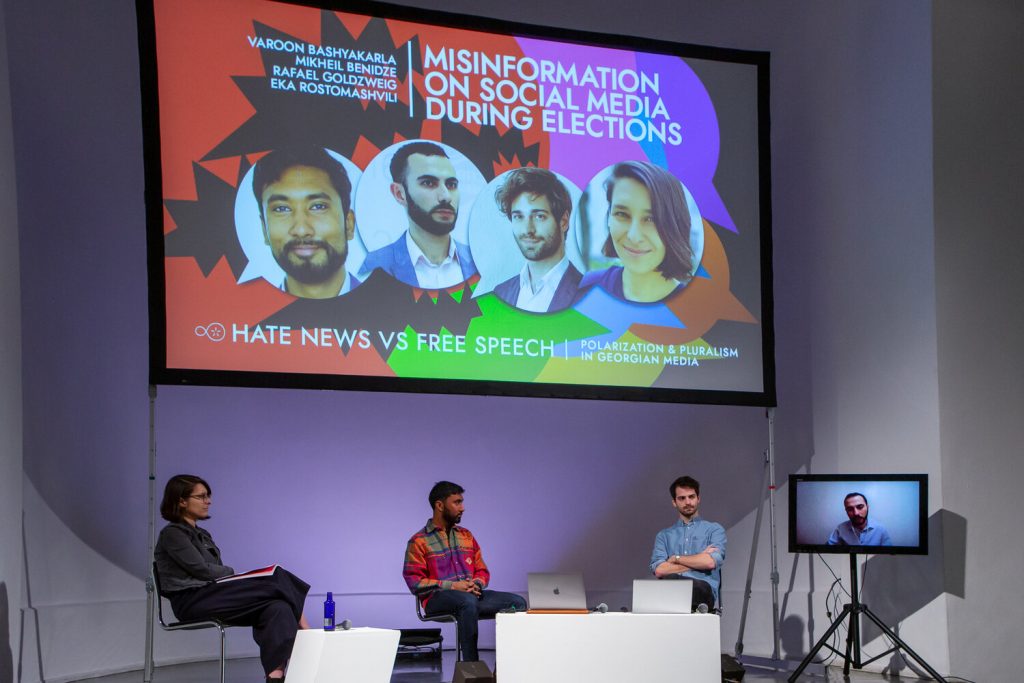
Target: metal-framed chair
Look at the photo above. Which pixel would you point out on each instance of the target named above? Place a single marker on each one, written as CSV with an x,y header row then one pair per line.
x,y
442,619
445,619
186,625
720,607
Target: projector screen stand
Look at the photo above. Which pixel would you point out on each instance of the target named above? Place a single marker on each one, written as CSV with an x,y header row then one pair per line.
x,y
767,484
853,610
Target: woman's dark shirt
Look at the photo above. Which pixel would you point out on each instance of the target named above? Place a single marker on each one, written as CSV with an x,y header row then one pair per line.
x,y
187,557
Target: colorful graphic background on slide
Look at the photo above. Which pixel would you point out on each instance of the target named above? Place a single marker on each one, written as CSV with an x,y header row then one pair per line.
x,y
245,79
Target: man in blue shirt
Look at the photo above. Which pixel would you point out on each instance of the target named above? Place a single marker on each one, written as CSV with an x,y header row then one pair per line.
x,y
692,548
857,530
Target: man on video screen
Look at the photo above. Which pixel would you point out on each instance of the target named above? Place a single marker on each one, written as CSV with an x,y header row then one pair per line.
x,y
857,530
537,205
425,254
305,206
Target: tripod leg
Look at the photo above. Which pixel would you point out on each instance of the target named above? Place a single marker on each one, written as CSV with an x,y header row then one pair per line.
x,y
851,639
847,609
902,645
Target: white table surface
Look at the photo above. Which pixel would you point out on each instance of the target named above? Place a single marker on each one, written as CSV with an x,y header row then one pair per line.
x,y
608,648
359,655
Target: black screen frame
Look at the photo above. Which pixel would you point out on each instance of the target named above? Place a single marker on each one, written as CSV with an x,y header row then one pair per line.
x,y
160,373
824,548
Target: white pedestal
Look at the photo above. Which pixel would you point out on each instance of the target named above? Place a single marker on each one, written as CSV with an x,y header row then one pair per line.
x,y
608,648
359,655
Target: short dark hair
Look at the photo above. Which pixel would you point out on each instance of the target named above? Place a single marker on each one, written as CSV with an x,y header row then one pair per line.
x,y
442,490
855,493
270,168
685,482
669,209
534,182
178,488
400,161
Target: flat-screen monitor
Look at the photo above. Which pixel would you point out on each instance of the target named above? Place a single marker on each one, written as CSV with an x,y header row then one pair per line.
x,y
364,196
858,513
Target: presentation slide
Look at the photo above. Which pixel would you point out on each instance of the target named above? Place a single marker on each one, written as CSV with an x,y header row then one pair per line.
x,y
392,199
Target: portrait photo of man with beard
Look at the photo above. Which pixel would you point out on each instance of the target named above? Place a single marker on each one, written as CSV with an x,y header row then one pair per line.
x,y
305,207
424,182
537,206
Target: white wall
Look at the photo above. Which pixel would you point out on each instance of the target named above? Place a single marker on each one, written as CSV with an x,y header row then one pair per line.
x,y
979,164
10,388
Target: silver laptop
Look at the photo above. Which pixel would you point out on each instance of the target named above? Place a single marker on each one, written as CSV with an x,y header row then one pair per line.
x,y
556,591
653,596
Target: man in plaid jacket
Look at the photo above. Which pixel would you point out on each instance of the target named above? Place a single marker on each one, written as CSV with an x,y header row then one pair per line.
x,y
446,571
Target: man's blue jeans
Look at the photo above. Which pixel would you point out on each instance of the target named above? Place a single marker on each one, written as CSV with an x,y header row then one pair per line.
x,y
469,609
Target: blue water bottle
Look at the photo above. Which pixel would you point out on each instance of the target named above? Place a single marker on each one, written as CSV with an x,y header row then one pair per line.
x,y
329,612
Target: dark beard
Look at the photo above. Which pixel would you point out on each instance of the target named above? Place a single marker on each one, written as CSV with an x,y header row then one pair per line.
x,y
452,520
307,272
547,248
426,220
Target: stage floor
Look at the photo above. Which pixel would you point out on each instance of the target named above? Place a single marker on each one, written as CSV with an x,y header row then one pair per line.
x,y
435,671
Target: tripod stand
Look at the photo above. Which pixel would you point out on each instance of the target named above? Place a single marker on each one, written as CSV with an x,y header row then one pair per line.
x,y
853,610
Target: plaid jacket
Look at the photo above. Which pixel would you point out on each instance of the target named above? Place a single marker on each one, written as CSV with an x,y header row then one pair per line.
x,y
434,561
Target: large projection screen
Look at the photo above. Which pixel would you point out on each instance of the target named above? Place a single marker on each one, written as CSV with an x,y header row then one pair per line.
x,y
364,196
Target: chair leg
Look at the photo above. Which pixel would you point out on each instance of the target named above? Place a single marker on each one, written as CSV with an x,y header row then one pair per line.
x,y
222,654
458,643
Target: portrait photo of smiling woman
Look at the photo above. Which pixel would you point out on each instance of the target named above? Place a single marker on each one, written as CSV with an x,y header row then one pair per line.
x,y
654,234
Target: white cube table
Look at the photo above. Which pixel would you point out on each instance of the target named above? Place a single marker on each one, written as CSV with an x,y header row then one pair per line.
x,y
608,648
359,655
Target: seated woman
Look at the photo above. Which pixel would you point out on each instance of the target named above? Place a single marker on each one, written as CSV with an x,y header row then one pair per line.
x,y
649,232
189,563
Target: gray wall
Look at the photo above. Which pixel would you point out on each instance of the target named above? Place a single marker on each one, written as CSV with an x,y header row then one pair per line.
x,y
10,387
855,262
979,148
